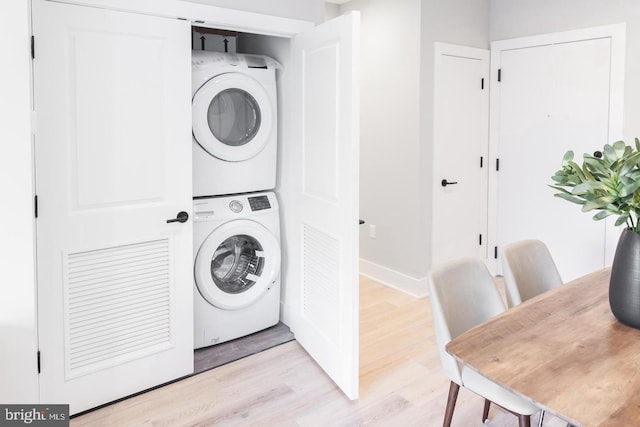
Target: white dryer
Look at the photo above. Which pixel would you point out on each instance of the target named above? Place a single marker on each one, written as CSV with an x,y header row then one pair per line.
x,y
236,267
234,123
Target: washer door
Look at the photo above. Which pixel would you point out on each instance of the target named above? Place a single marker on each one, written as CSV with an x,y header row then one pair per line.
x,y
232,117
236,264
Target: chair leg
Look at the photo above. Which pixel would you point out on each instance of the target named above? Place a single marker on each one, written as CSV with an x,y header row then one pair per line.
x,y
485,412
524,420
541,418
451,403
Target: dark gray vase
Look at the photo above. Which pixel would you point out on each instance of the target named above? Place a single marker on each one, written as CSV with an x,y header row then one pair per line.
x,y
624,285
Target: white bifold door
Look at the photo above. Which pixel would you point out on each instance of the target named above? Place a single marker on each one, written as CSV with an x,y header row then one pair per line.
x,y
113,180
320,191
113,185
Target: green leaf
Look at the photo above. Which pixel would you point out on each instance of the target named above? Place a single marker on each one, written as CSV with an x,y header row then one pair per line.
x,y
570,198
619,148
589,186
622,219
637,144
609,153
598,203
602,215
587,174
557,187
629,164
629,189
595,165
568,156
576,169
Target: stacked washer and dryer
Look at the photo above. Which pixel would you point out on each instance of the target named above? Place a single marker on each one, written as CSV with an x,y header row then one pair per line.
x,y
236,218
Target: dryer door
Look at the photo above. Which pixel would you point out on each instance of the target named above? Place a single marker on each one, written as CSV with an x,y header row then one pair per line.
x,y
232,117
236,264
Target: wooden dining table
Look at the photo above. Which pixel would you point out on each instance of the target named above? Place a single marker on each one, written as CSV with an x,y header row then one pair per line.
x,y
565,351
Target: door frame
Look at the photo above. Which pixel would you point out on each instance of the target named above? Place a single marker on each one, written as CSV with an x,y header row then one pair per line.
x,y
205,15
616,32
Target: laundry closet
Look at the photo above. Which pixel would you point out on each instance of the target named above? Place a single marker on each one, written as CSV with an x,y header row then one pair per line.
x,y
112,88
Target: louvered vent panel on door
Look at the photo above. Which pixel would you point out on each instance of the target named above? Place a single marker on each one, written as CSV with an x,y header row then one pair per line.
x,y
321,276
117,305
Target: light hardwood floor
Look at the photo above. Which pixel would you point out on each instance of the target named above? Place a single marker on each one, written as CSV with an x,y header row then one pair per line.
x,y
401,383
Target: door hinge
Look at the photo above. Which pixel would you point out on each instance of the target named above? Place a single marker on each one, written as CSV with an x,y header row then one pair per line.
x,y
33,47
35,205
480,239
495,252
481,161
482,83
497,164
499,74
38,361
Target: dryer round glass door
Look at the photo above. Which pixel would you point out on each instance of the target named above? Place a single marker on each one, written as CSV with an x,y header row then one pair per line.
x,y
236,264
232,117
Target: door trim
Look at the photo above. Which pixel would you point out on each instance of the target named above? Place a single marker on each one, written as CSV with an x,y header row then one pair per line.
x,y
205,15
617,34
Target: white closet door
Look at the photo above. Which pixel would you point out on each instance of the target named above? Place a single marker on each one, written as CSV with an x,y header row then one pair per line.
x,y
113,164
322,283
461,143
553,98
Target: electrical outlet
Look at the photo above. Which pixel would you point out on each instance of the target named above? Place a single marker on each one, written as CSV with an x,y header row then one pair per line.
x,y
372,231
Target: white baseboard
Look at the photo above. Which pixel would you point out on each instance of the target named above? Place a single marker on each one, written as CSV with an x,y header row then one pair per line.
x,y
394,279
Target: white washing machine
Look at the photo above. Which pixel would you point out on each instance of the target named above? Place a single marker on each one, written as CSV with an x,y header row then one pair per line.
x,y
236,267
235,134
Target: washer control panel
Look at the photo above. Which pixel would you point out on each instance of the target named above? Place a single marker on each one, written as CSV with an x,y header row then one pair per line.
x,y
236,206
259,203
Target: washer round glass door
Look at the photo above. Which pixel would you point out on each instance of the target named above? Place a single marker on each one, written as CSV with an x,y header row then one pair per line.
x,y
232,117
236,264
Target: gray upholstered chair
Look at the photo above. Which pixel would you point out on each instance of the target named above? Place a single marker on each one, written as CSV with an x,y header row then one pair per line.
x,y
463,295
528,270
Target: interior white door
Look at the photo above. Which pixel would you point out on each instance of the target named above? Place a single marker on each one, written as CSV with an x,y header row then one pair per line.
x,y
322,283
552,99
461,143
113,165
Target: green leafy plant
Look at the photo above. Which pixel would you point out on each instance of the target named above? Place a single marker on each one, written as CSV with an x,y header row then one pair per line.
x,y
609,184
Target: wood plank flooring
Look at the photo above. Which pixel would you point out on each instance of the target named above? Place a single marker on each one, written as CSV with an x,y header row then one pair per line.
x,y
401,383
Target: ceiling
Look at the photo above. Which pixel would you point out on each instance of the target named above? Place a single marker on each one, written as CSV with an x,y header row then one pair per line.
x,y
336,1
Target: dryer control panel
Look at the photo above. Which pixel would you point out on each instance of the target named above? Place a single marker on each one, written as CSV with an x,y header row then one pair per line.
x,y
259,203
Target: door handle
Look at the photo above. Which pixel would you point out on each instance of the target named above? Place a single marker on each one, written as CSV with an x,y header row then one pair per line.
x,y
444,182
360,221
181,217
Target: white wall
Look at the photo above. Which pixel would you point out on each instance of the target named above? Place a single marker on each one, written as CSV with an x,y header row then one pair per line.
x,y
331,11
389,135
18,369
397,123
519,18
307,10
